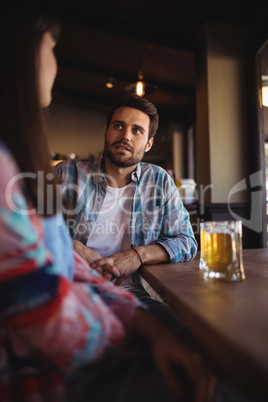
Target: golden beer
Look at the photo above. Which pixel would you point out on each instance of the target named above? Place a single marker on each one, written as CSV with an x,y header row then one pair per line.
x,y
221,250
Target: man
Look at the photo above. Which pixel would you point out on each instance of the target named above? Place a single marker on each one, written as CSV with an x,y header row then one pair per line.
x,y
121,212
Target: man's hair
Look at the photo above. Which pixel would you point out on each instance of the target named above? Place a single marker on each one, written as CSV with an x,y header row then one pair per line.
x,y
136,102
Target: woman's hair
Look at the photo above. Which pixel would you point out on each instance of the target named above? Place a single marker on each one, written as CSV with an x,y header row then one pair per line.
x,y
136,102
21,116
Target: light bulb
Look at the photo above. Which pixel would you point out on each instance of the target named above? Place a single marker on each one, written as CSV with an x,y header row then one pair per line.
x,y
140,88
110,82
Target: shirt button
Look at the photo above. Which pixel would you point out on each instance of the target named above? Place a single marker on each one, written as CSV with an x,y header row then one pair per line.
x,y
99,199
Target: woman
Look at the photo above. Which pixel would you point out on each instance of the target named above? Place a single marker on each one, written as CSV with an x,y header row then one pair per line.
x,y
61,324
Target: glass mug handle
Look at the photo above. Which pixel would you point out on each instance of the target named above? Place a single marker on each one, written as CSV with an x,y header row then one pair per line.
x,y
234,245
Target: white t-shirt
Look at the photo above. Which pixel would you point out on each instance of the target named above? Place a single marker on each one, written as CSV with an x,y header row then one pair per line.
x,y
111,232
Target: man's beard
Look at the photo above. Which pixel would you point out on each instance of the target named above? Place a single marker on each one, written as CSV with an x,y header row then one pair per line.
x,y
122,160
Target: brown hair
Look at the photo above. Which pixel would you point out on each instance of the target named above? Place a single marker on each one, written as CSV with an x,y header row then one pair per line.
x,y
136,102
21,116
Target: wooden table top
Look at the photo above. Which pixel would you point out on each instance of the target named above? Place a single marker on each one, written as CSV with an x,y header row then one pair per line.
x,y
228,321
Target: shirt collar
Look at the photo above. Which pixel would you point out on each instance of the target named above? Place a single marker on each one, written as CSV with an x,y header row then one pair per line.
x,y
135,176
99,176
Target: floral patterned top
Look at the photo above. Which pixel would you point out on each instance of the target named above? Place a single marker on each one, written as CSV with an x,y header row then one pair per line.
x,y
56,313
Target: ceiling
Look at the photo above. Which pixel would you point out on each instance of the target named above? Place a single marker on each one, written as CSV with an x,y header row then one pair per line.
x,y
102,39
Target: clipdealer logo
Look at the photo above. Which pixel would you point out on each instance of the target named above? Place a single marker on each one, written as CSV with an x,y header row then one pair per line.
x,y
255,184
255,221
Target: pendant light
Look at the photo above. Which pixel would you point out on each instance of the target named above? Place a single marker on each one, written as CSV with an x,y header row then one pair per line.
x,y
110,82
141,87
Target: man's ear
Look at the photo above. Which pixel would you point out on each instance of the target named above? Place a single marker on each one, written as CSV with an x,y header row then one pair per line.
x,y
149,145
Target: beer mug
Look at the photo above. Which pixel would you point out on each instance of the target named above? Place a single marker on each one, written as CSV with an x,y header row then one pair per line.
x,y
221,250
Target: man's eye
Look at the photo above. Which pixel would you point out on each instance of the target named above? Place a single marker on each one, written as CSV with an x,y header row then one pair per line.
x,y
137,131
118,126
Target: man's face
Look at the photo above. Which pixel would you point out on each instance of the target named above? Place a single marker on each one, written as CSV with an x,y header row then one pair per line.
x,y
126,139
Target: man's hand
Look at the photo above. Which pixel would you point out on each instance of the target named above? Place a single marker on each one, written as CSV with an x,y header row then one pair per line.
x,y
85,252
125,263
90,256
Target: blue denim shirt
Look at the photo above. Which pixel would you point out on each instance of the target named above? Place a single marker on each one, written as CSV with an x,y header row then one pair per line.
x,y
158,215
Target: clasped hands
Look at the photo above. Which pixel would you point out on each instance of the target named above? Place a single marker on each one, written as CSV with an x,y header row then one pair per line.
x,y
117,267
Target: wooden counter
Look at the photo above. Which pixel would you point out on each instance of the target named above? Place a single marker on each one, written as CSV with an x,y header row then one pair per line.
x,y
228,321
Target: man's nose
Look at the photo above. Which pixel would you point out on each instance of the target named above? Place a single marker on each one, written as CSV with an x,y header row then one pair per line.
x,y
126,133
